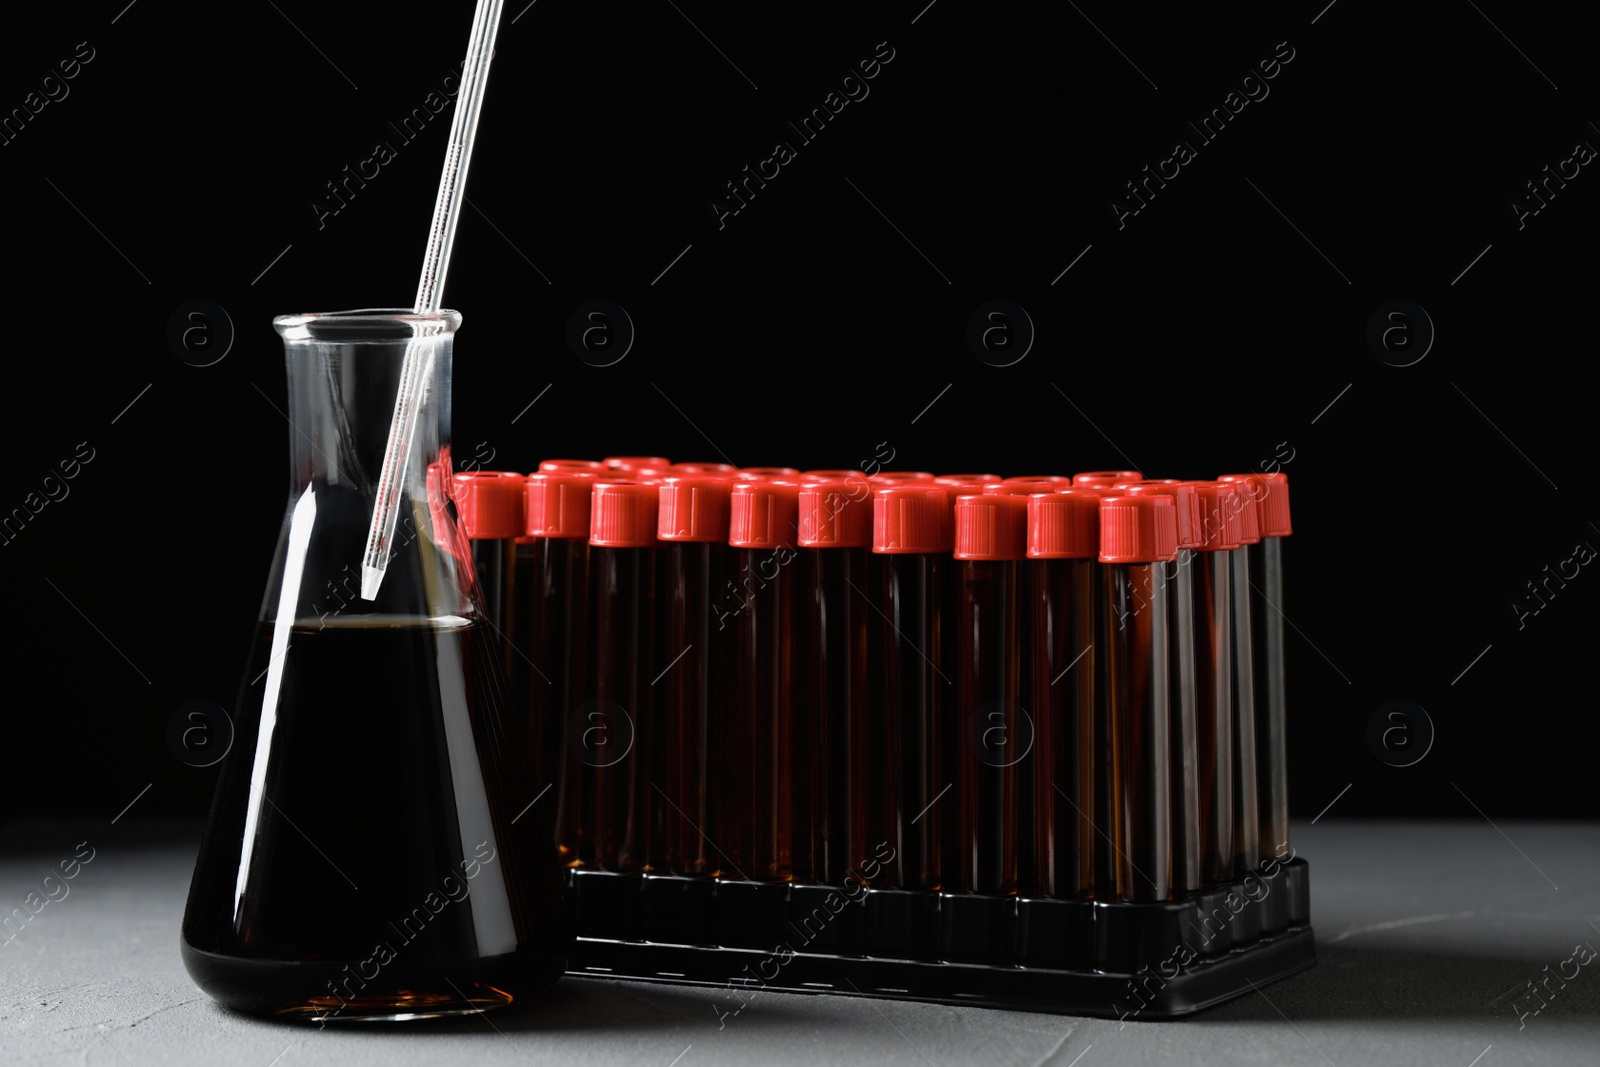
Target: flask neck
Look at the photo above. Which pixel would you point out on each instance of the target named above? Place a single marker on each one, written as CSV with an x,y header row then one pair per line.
x,y
343,378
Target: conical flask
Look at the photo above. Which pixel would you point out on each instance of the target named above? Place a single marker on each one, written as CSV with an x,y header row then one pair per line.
x,y
373,850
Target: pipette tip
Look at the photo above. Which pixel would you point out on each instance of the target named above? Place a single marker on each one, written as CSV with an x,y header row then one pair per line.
x,y
371,578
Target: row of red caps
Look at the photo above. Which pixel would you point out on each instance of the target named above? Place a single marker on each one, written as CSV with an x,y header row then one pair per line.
x,y
639,501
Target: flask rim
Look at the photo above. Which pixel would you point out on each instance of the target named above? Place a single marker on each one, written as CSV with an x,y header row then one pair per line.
x,y
365,324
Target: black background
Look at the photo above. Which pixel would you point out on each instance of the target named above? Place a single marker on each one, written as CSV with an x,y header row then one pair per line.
x,y
1207,334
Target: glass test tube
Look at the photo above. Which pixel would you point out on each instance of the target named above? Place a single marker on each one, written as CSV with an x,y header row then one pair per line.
x,y
1271,493
693,528
911,530
557,604
491,509
763,529
1187,854
1214,705
1246,798
993,744
833,772
1138,536
618,739
1063,544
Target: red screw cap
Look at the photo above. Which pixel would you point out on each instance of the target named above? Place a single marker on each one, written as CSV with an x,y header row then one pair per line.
x,y
1219,516
629,463
1247,490
1061,481
956,485
910,518
704,468
694,507
1183,499
990,526
558,503
1271,494
836,513
1064,525
751,474
490,504
764,514
1105,479
623,514
897,477
572,465
825,475
1138,529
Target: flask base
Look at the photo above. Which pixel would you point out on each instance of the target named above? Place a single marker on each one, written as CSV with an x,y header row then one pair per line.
x,y
325,991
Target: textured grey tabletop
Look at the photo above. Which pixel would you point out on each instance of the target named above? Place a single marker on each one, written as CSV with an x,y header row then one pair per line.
x,y
1429,936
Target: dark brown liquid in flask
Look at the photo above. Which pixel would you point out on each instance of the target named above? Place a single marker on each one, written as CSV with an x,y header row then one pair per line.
x,y
556,603
1063,539
911,532
692,684
618,724
834,772
763,532
363,858
993,749
1138,537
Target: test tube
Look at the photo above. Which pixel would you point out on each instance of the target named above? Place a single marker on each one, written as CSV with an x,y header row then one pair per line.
x,y
911,530
832,782
763,529
1063,544
1104,479
693,529
1187,862
1213,634
991,541
1138,536
619,725
1246,796
558,629
1271,495
491,509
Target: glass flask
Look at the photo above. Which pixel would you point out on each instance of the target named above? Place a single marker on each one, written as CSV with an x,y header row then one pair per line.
x,y
372,851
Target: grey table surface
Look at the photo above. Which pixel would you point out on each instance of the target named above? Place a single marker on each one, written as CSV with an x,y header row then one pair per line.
x,y
1428,933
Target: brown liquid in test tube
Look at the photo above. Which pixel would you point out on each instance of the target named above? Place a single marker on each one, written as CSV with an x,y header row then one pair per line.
x,y
618,740
1187,864
763,530
833,772
1271,494
693,684
556,607
993,745
1214,706
491,509
1246,798
1063,545
912,691
1138,536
